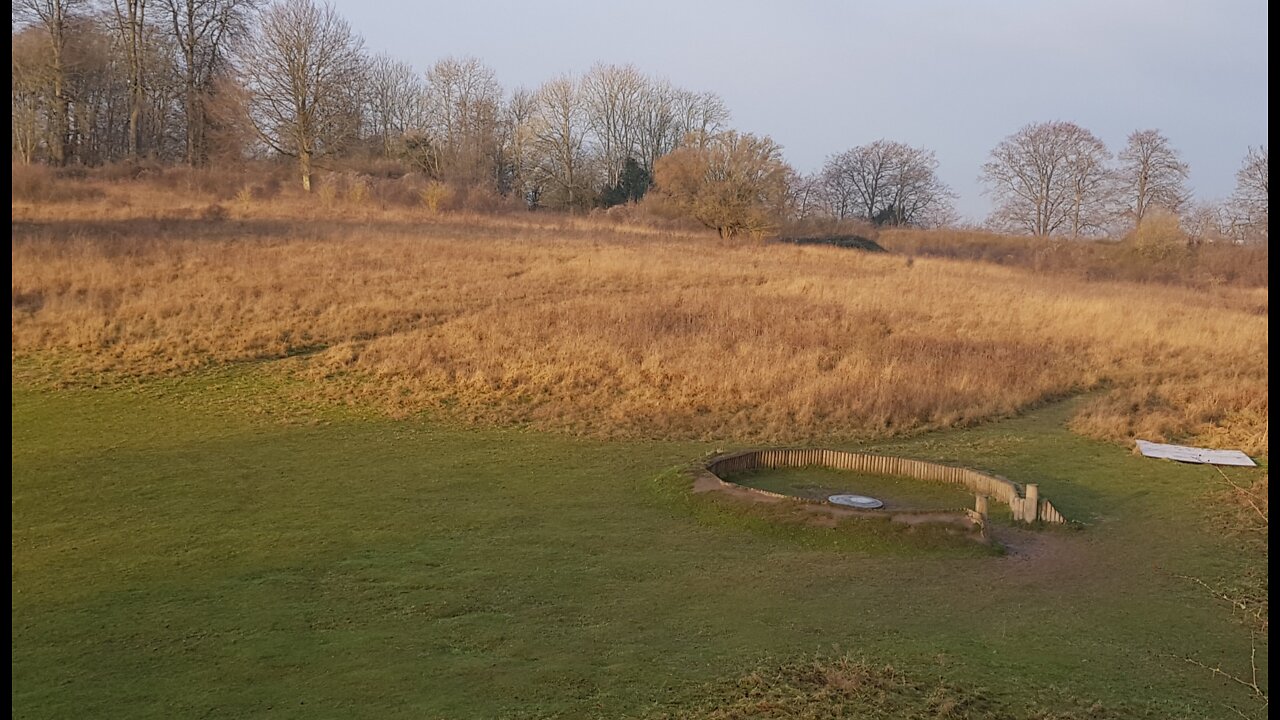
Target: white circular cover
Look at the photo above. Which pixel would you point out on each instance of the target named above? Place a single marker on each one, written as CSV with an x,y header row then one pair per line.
x,y
858,501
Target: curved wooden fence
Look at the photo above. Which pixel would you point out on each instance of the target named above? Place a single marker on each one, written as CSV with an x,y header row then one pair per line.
x,y
1027,507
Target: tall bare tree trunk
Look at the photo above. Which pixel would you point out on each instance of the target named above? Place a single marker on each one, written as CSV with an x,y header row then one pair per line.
x,y
195,114
195,123
137,10
60,129
58,132
130,24
304,163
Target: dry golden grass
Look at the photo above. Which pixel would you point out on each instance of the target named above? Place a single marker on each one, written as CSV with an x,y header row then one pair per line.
x,y
594,327
1160,253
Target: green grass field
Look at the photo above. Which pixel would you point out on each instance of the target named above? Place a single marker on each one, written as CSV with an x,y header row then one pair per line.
x,y
214,546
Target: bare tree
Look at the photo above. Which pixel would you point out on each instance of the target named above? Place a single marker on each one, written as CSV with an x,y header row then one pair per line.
x,y
659,128
161,119
917,196
302,67
1050,178
29,92
886,183
96,90
558,129
516,146
131,25
63,72
612,97
1152,175
1250,197
394,99
53,17
1207,222
1093,186
806,196
837,187
202,31
699,116
668,116
463,102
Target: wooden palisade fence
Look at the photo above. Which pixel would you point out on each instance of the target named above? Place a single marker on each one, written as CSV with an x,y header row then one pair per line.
x,y
1027,507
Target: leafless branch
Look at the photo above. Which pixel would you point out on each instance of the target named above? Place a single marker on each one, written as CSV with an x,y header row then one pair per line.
x,y
1249,497
1252,683
1257,613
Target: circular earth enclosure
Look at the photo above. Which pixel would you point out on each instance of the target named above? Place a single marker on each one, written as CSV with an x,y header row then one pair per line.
x,y
857,501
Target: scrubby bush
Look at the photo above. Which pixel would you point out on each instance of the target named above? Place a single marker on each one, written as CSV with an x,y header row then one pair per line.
x,y
39,184
1141,260
438,197
1160,237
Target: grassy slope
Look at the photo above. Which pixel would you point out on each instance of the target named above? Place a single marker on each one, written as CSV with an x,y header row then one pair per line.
x,y
604,330
202,547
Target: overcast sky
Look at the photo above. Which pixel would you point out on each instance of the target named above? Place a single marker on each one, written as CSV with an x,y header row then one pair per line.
x,y
955,77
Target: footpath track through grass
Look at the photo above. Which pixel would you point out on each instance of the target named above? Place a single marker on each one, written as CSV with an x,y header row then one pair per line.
x,y
187,548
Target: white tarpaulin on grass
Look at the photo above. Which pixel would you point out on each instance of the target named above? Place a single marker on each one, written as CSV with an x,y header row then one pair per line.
x,y
858,501
1182,453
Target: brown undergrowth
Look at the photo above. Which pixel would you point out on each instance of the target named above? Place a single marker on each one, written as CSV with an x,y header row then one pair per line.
x,y
1172,260
835,687
596,327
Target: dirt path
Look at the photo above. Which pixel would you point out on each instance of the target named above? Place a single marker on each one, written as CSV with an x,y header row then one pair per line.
x,y
1061,554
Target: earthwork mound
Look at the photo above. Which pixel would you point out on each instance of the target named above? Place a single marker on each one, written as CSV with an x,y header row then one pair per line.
x,y
1024,502
854,242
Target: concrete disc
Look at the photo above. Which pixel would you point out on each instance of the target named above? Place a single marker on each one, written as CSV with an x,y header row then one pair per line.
x,y
857,501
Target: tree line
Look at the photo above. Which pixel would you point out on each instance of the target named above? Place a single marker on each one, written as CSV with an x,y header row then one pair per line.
x,y
203,82
1057,178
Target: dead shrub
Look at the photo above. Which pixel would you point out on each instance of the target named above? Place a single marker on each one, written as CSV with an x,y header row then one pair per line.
x,y
219,184
326,188
31,183
405,191
380,168
1159,254
357,190
438,197
126,170
39,184
265,189
482,199
214,212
